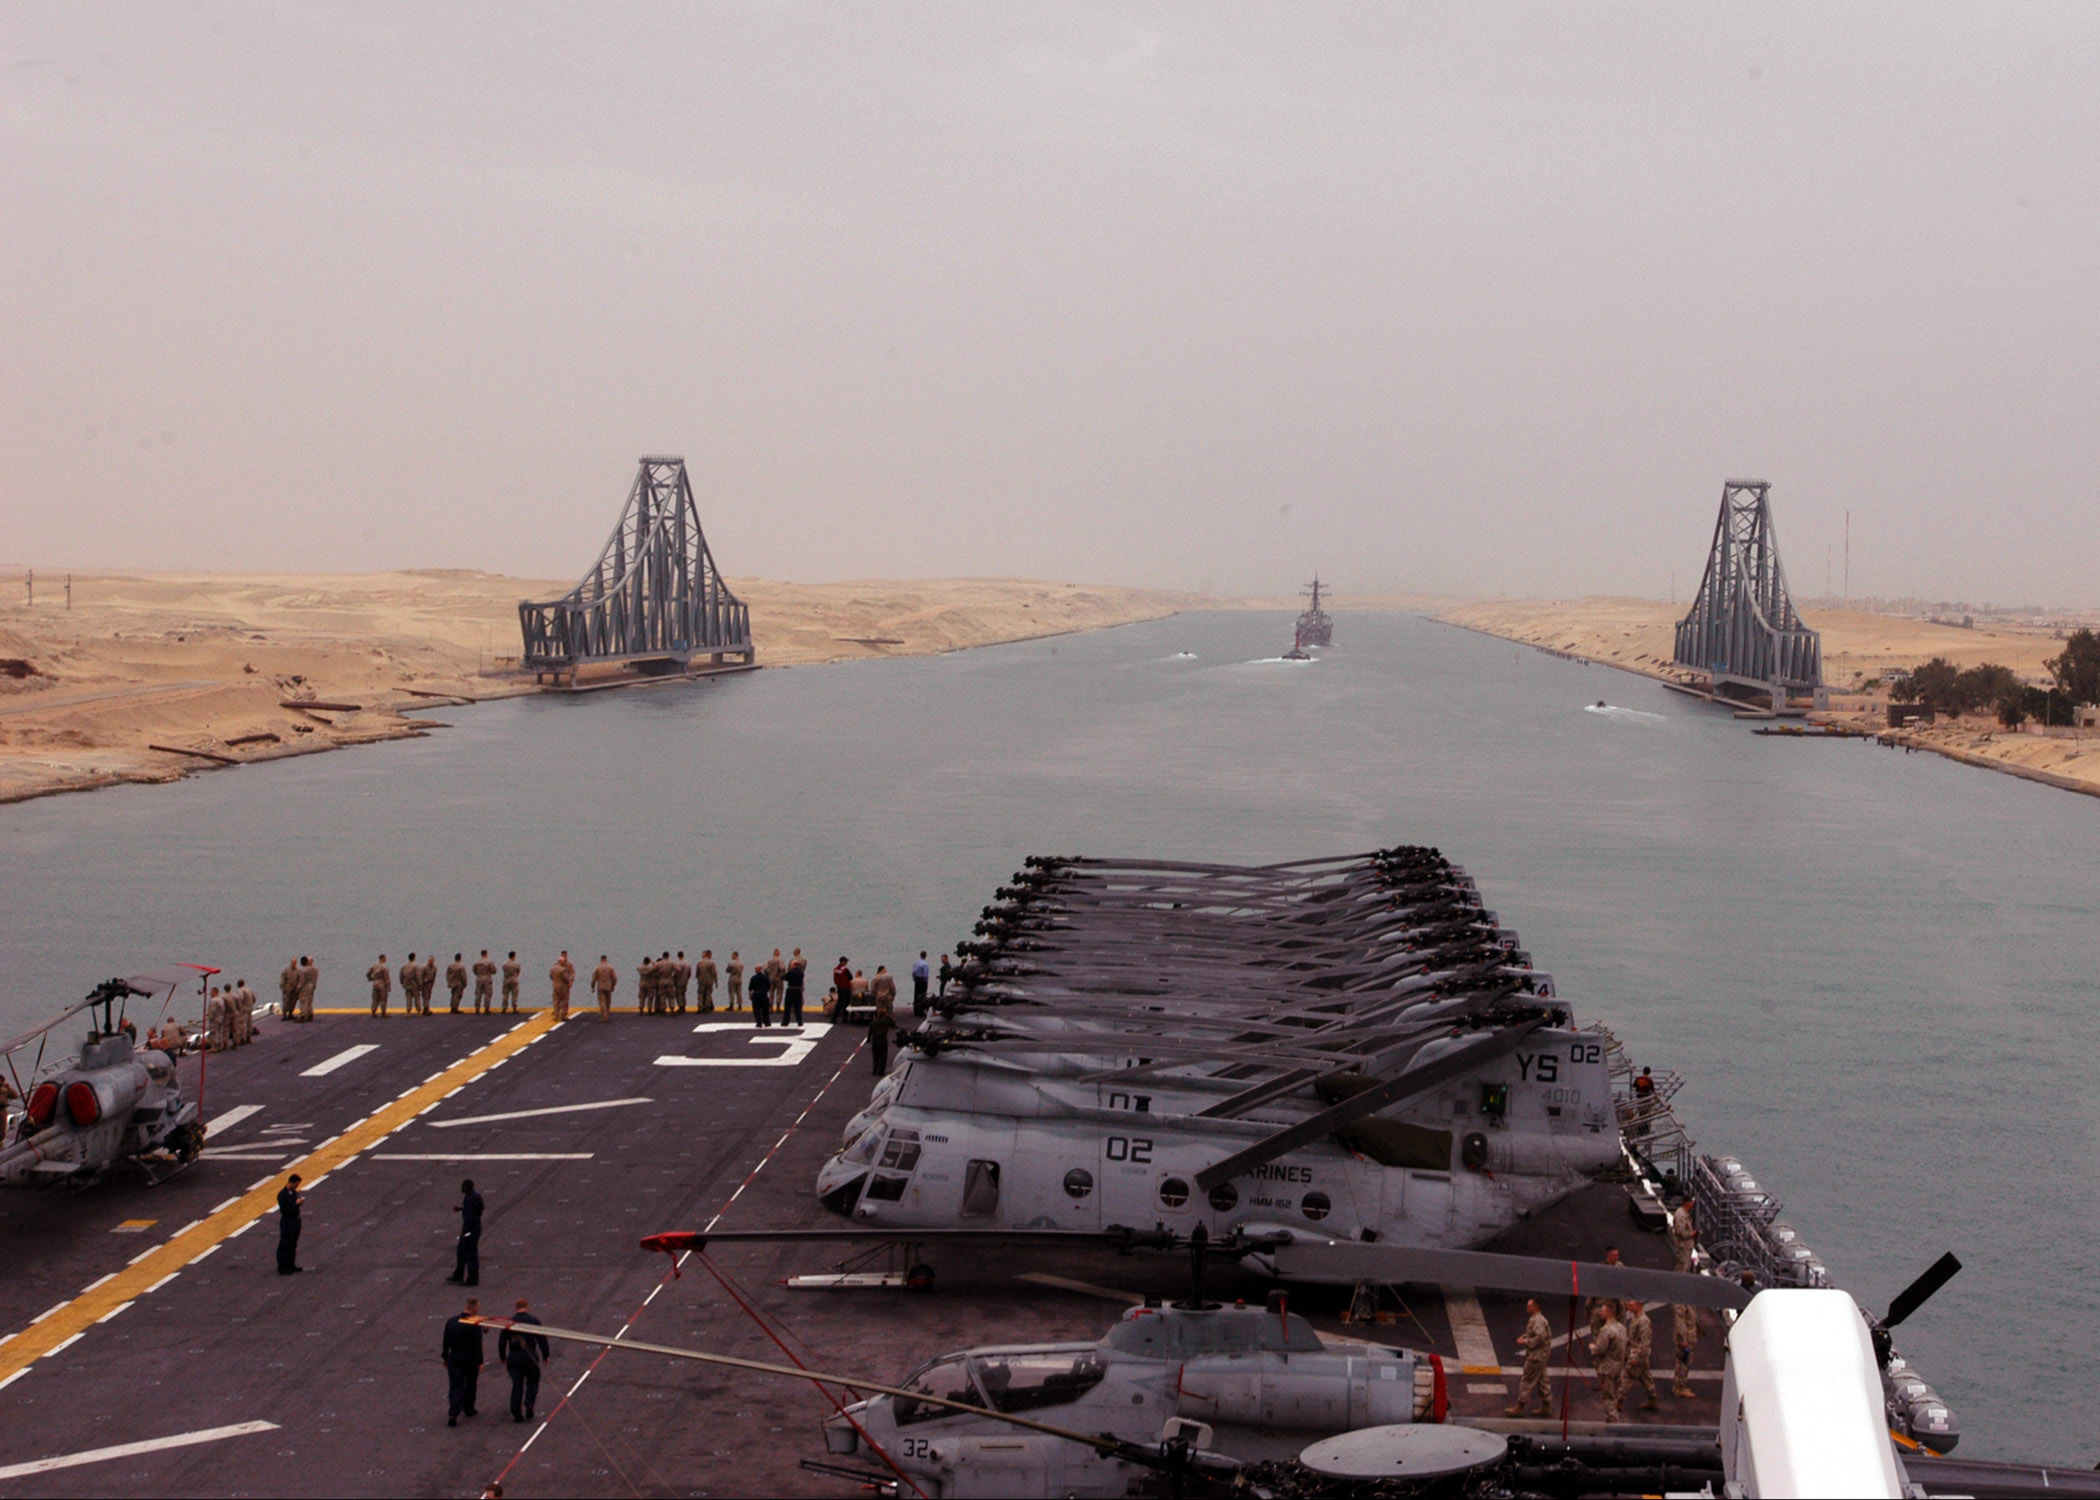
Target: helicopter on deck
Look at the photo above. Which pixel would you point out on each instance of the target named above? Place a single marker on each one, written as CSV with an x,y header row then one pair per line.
x,y
1195,1398
1346,1049
1243,1383
112,1101
1189,1397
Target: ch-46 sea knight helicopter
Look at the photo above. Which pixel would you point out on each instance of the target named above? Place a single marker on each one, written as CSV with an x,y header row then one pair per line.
x,y
1346,1050
111,1101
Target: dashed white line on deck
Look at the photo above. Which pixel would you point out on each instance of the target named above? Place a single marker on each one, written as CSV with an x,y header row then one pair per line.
x,y
526,1114
132,1450
347,1055
227,1119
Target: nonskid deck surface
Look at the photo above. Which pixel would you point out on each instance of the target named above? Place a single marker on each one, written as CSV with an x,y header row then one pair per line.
x,y
202,1334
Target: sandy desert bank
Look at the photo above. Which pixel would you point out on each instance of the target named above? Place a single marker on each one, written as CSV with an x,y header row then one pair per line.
x,y
148,677
1637,635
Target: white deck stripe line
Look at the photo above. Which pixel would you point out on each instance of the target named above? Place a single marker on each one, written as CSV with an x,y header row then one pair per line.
x,y
483,1155
63,1345
160,1283
224,1206
132,1450
684,1256
526,1114
347,1055
1469,1330
47,1312
113,1312
112,1276
4,1384
227,1119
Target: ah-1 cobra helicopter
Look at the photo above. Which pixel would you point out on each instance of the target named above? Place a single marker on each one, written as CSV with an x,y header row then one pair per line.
x,y
111,1102
1182,1398
1345,1049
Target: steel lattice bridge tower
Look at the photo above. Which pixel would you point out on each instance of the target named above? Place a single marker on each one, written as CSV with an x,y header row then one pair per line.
x,y
1743,631
654,600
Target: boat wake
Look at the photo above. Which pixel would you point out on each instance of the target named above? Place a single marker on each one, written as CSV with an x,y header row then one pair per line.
x,y
1613,711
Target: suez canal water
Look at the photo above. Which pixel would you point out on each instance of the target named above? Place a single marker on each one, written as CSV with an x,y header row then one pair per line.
x,y
1877,972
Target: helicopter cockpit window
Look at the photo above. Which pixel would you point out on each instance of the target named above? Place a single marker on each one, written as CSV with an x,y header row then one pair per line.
x,y
862,1152
901,1151
946,1378
1027,1382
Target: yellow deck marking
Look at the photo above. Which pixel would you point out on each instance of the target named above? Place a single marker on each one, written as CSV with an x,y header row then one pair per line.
x,y
398,1014
68,1321
134,1226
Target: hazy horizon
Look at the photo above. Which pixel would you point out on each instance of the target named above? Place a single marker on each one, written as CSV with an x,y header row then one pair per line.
x,y
1472,299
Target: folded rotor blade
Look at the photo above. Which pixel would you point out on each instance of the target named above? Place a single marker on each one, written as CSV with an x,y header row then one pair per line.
x,y
1393,1091
1353,1260
1914,1296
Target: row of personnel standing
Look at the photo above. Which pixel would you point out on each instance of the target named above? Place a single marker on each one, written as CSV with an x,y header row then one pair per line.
x,y
419,983
666,984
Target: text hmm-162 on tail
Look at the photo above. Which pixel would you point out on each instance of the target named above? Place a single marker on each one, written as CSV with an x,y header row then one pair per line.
x,y
1345,1049
110,1101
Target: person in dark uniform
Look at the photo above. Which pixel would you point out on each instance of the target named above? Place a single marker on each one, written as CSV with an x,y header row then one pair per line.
x,y
467,1269
883,1022
461,1353
761,995
842,981
947,974
289,1198
522,1354
791,1004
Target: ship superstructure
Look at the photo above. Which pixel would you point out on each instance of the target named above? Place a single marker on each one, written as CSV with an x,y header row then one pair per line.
x,y
1315,625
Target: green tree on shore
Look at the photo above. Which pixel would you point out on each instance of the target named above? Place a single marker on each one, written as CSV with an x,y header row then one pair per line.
x,y
2077,671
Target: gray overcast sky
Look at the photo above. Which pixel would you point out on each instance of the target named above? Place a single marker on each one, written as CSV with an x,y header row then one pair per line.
x,y
1460,296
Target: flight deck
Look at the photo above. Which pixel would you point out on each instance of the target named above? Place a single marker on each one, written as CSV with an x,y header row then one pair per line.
x,y
150,1319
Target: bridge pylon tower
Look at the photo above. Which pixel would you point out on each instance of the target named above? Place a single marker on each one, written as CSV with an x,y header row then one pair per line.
x,y
1743,631
654,602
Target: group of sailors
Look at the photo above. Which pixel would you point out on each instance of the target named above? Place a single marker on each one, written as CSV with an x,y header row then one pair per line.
x,y
419,983
667,984
1621,1338
229,1017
